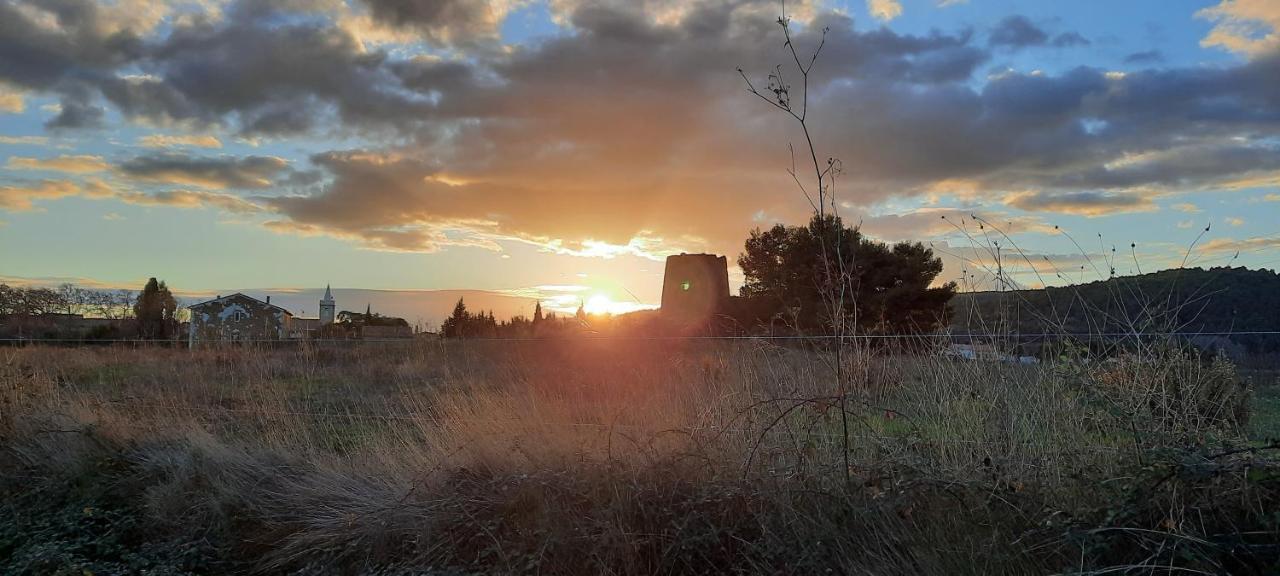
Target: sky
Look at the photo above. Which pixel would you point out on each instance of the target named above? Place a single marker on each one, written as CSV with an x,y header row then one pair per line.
x,y
559,150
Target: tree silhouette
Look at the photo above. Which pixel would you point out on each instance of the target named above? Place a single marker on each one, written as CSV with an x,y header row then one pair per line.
x,y
892,286
155,310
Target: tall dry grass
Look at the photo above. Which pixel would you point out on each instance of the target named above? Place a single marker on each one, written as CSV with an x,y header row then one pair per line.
x,y
625,457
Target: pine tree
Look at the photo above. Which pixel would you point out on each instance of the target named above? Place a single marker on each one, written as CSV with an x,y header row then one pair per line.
x,y
455,326
155,310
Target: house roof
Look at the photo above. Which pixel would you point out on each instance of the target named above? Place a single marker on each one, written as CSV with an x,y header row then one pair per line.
x,y
241,295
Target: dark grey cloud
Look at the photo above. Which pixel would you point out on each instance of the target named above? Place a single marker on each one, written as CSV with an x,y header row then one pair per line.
x,y
1145,57
279,79
465,22
38,57
1067,39
1087,203
250,172
1184,168
77,109
1017,31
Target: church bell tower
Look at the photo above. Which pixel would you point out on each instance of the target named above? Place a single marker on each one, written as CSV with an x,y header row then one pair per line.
x,y
327,307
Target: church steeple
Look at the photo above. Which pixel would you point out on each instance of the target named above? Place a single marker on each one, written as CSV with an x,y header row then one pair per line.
x,y
327,306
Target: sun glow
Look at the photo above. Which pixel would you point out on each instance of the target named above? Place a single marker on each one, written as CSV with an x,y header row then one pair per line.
x,y
601,304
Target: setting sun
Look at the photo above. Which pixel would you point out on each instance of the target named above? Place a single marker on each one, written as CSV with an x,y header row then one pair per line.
x,y
602,304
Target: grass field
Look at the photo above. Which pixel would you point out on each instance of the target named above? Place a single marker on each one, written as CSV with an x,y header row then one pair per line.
x,y
630,457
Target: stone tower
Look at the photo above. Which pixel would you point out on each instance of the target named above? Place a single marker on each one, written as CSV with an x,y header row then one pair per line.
x,y
694,286
327,307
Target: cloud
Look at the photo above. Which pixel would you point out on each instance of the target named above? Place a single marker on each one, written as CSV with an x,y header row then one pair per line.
x,y
11,99
174,141
1080,203
192,199
443,22
21,198
938,223
1017,31
1229,245
1245,26
1067,39
81,164
1187,207
1234,222
24,140
250,172
1145,57
884,10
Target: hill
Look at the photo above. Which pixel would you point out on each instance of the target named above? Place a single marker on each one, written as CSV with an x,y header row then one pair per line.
x,y
1192,300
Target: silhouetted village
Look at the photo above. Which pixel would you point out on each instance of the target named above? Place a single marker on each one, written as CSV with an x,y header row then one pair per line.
x,y
72,313
888,290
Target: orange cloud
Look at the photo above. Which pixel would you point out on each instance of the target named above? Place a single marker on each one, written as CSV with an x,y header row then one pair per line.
x,y
71,164
173,141
21,198
1245,26
192,199
1090,204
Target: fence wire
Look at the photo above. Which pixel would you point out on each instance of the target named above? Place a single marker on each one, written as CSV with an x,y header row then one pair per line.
x,y
631,338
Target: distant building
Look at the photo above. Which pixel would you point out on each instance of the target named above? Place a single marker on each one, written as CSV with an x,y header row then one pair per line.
x,y
327,307
316,327
695,286
303,328
238,317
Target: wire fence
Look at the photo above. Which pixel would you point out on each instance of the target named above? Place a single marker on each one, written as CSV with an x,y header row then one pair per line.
x,y
640,338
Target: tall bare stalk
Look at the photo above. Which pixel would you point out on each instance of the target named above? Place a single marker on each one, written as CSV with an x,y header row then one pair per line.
x,y
836,275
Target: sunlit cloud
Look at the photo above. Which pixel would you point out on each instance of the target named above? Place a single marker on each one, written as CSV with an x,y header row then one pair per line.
x,y
192,199
884,10
1255,244
23,198
1081,203
1245,26
174,141
11,99
82,164
24,140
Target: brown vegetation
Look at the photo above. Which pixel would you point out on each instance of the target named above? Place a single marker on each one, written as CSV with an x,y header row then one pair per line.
x,y
625,457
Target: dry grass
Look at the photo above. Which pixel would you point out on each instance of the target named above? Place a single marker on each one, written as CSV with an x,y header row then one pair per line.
x,y
625,457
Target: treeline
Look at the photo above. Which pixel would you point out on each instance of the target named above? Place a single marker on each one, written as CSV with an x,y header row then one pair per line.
x,y
65,299
1188,300
463,323
71,311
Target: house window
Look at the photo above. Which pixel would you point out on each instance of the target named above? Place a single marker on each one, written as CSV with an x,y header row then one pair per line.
x,y
239,316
